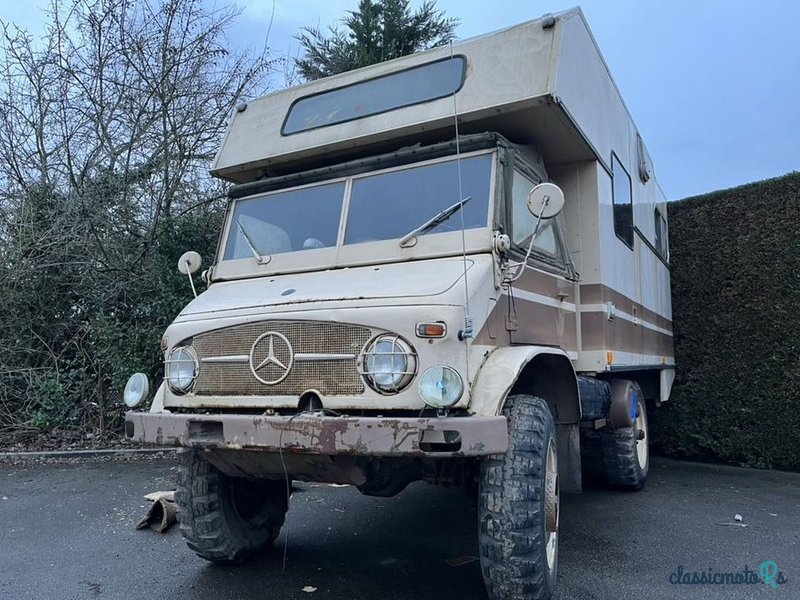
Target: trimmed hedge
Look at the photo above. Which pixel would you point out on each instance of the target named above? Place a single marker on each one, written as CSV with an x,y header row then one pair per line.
x,y
735,258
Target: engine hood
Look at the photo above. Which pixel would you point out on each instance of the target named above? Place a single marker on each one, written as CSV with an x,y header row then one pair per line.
x,y
408,280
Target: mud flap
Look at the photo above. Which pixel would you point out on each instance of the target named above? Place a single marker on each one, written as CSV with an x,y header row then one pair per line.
x,y
568,441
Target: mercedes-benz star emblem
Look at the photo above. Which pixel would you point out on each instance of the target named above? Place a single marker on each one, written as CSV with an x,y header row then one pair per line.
x,y
272,356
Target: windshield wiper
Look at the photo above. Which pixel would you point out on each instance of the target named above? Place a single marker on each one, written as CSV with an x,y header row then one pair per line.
x,y
261,259
433,222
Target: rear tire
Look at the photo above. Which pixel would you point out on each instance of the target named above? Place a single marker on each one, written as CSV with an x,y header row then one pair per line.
x,y
519,505
626,452
226,519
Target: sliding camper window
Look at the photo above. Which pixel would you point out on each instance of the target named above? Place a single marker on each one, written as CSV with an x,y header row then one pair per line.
x,y
404,88
547,246
623,202
662,245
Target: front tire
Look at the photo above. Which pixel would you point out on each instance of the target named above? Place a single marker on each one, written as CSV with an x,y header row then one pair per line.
x,y
519,506
226,519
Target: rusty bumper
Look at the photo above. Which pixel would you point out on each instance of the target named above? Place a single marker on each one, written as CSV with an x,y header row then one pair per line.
x,y
312,434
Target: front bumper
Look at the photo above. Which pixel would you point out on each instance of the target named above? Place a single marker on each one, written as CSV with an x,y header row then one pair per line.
x,y
317,434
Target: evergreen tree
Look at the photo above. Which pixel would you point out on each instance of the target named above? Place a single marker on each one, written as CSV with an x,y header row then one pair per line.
x,y
379,30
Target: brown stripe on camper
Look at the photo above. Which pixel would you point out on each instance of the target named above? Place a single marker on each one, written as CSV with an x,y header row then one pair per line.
x,y
536,324
546,285
598,333
597,293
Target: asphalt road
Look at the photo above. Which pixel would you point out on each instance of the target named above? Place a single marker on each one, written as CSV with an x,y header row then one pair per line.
x,y
67,531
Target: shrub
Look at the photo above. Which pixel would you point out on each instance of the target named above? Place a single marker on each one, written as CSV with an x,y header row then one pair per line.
x,y
735,258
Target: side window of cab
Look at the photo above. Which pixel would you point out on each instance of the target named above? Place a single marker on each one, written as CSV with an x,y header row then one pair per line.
x,y
548,250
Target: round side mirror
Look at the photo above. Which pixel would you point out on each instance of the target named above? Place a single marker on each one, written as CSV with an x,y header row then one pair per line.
x,y
189,262
545,200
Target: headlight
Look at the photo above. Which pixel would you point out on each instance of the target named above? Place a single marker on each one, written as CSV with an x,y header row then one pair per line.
x,y
440,387
388,364
181,369
136,390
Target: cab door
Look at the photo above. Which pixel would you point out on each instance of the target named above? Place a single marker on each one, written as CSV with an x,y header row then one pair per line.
x,y
541,303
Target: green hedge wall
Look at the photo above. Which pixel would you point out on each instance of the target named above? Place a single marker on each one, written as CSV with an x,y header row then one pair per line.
x,y
735,258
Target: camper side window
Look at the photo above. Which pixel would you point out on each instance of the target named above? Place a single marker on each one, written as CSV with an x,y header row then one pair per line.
x,y
623,202
662,245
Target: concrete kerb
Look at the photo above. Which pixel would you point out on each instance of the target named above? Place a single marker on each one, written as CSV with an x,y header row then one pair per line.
x,y
84,453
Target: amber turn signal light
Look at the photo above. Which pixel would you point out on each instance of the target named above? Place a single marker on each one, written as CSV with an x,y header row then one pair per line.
x,y
431,330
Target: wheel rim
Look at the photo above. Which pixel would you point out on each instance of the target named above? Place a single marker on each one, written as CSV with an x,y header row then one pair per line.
x,y
551,505
640,429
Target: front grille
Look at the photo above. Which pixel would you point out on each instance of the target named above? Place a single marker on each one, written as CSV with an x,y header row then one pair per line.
x,y
228,375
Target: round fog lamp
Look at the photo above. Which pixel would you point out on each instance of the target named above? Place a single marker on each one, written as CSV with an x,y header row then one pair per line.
x,y
136,390
440,387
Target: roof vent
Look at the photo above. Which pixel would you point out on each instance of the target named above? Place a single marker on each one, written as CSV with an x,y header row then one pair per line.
x,y
548,20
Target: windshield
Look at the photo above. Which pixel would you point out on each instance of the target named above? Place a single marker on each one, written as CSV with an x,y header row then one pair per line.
x,y
389,205
383,206
287,221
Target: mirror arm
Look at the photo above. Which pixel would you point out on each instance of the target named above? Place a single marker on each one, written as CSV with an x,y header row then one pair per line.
x,y
191,280
520,266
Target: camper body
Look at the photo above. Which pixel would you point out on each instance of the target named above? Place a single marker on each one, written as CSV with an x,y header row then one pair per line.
x,y
340,342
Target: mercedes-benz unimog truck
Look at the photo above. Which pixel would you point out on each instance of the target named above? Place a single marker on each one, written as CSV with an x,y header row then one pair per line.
x,y
451,267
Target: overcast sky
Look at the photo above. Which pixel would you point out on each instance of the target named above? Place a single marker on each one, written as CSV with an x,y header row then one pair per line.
x,y
713,85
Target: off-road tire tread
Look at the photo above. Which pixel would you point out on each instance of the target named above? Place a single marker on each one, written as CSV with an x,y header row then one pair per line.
x,y
210,533
510,509
620,461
